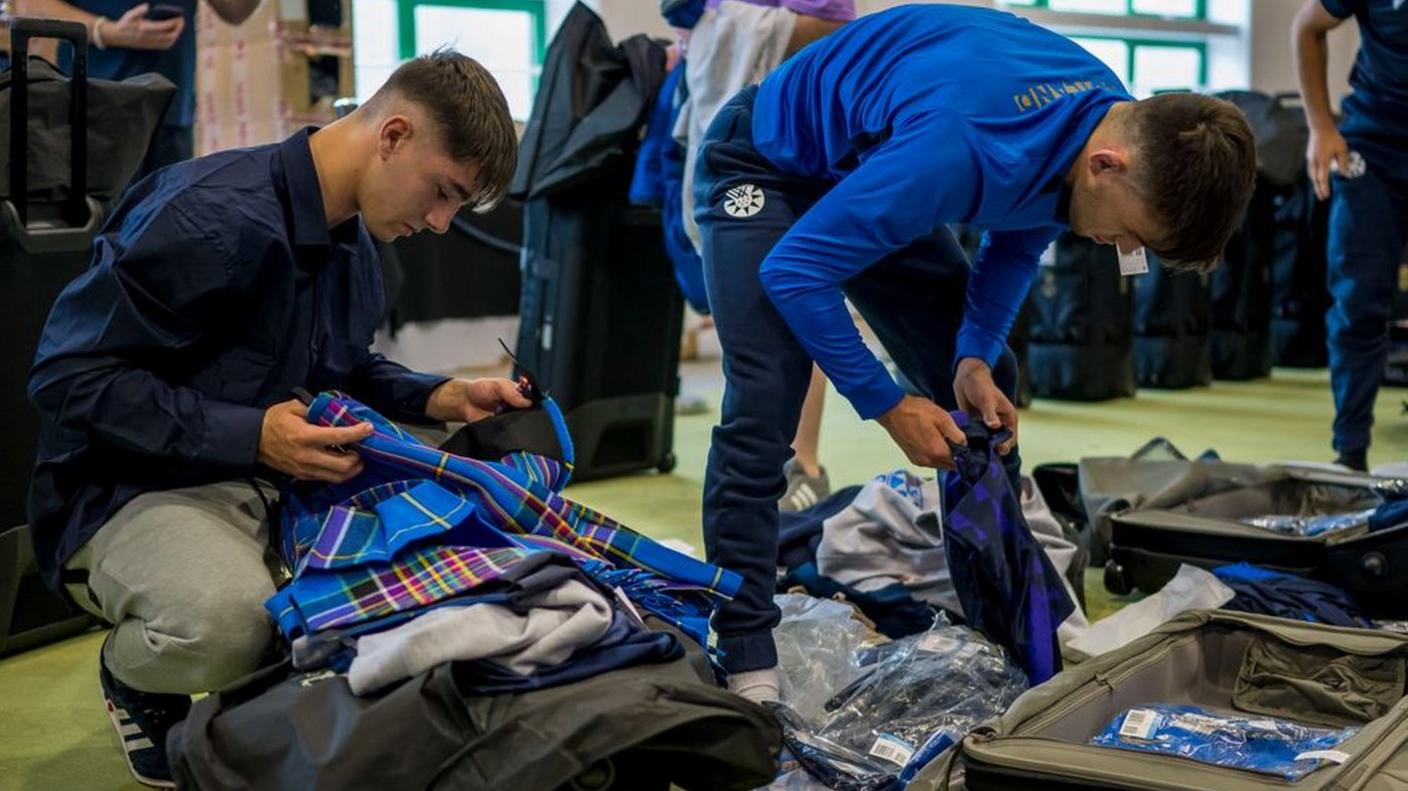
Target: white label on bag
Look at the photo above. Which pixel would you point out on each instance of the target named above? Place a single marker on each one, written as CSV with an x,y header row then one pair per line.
x,y
1333,756
1134,262
937,643
893,749
1138,724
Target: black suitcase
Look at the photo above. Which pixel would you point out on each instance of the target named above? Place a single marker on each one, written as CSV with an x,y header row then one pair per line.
x,y
1195,520
43,245
600,324
1241,294
1299,295
1172,328
1080,339
600,313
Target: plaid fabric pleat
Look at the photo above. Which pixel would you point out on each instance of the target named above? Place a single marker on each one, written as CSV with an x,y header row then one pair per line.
x,y
420,525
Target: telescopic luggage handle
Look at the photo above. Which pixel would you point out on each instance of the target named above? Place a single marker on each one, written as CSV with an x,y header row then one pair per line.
x,y
81,213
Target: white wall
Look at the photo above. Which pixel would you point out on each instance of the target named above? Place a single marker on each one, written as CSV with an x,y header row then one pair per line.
x,y
1273,67
627,17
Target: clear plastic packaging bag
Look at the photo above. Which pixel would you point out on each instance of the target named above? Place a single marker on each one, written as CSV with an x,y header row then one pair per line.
x,y
1310,526
817,645
939,685
1266,745
922,695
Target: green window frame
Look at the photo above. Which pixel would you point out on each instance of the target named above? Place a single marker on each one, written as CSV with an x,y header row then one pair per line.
x,y
1133,43
406,20
1199,14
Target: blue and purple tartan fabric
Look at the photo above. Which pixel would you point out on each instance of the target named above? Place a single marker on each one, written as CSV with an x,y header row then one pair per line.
x,y
420,526
1005,581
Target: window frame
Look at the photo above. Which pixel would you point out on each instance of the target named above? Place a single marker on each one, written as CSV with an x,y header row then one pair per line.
x,y
1134,42
1200,14
406,25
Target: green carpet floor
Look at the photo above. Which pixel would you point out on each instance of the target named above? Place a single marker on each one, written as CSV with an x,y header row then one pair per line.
x,y
54,734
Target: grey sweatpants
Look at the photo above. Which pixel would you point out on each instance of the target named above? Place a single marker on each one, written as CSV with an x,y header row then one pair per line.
x,y
183,575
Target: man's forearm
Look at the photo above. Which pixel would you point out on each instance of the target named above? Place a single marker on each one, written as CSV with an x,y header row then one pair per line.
x,y
233,11
54,9
1312,57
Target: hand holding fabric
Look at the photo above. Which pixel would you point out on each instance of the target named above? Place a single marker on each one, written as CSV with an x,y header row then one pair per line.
x,y
468,400
923,430
979,396
289,444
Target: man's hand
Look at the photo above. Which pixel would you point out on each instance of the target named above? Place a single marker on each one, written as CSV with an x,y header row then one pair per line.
x,y
292,445
1325,146
979,396
135,31
923,431
468,400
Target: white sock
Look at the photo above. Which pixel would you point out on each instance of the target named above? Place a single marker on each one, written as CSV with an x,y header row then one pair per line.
x,y
759,686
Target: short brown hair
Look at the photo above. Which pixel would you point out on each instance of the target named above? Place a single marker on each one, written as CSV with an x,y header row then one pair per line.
x,y
1199,168
466,102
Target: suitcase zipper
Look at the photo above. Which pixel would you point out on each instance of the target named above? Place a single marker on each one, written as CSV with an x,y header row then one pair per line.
x,y
1088,771
1108,680
1349,778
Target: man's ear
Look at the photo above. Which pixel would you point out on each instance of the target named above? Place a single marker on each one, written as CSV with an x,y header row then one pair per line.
x,y
394,133
1108,160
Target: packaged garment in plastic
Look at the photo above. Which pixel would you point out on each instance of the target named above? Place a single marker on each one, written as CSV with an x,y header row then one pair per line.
x,y
1281,748
924,697
817,644
1310,526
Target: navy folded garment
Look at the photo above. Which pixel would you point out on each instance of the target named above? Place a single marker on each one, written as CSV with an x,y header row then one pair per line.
x,y
1009,590
1268,592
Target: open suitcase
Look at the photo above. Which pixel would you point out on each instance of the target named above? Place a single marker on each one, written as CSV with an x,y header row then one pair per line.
x,y
1177,512
1253,665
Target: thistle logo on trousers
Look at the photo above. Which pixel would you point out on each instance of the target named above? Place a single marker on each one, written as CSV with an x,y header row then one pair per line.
x,y
744,200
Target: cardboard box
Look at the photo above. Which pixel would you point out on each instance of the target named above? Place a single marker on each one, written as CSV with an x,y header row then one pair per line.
x,y
254,83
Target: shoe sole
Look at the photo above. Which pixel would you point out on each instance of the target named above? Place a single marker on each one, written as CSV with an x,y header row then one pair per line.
x,y
111,709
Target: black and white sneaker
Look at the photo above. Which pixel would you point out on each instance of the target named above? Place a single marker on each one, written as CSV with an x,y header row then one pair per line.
x,y
142,720
803,490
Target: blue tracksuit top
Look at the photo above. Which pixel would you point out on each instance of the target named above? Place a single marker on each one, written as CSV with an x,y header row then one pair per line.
x,y
916,117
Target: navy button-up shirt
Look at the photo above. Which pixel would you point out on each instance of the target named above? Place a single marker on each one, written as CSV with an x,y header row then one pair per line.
x,y
216,287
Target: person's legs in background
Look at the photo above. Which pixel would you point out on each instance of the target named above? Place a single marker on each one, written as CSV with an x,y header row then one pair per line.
x,y
807,482
1368,229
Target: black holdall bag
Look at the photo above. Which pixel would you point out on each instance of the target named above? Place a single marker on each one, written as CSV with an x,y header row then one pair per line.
x,y
1172,327
638,728
1080,339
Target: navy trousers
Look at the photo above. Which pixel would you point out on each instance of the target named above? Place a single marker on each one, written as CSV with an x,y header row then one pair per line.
x,y
1368,231
913,300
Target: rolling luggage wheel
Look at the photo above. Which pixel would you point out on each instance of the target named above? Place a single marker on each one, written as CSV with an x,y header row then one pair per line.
x,y
1116,581
667,464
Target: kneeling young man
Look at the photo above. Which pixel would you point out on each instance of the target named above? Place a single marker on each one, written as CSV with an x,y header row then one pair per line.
x,y
164,374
